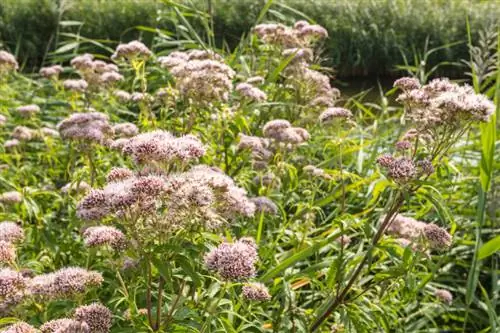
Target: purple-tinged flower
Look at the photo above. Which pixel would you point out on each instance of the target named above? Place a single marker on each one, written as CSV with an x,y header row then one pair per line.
x,y
132,50
51,72
104,235
7,62
65,325
11,197
233,261
27,111
336,113
11,283
20,327
444,296
10,232
7,252
256,292
96,316
437,237
75,85
407,83
265,205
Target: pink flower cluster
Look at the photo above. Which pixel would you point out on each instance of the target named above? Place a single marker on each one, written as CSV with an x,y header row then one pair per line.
x,y
443,103
90,127
200,75
233,261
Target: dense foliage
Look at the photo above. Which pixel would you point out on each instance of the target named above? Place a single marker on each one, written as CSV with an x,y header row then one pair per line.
x,y
192,189
367,37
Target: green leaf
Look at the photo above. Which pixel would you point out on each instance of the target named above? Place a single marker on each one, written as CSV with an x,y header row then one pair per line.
x,y
301,255
489,248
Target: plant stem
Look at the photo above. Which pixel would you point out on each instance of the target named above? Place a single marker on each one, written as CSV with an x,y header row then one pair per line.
x,y
149,304
396,205
92,168
159,303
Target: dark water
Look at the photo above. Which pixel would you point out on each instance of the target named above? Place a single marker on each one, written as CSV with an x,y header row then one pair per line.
x,y
373,88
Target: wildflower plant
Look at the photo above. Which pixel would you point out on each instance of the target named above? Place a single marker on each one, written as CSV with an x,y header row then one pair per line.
x,y
194,189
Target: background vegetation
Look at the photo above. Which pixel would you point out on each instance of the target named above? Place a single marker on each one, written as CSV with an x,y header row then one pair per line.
x,y
367,37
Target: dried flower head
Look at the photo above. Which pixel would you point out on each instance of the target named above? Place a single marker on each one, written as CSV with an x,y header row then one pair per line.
x,y
11,197
444,296
437,237
11,232
104,235
96,316
27,111
233,261
256,292
90,127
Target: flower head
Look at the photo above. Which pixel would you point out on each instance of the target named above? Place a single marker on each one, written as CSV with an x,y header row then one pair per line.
x,y
125,130
11,282
64,283
104,235
51,72
96,316
65,325
332,114
256,292
20,327
7,252
90,127
11,232
444,296
7,62
27,111
11,197
437,237
265,205
75,85
233,261
132,50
